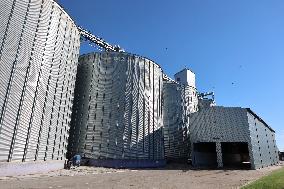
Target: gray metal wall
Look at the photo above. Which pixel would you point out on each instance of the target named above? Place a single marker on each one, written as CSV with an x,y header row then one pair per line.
x,y
117,108
179,101
39,46
264,149
219,124
227,124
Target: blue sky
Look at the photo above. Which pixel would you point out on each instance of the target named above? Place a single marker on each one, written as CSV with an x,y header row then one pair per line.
x,y
235,47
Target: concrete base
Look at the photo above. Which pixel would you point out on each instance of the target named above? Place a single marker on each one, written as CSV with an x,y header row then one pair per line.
x,y
24,168
124,163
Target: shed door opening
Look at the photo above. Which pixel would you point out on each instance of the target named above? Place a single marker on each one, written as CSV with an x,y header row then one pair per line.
x,y
235,155
205,154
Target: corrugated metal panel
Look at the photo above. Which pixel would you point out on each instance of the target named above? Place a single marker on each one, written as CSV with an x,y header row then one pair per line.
x,y
226,124
219,124
116,112
263,144
179,102
39,53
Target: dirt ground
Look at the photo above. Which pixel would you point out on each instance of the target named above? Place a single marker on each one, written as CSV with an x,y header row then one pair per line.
x,y
173,176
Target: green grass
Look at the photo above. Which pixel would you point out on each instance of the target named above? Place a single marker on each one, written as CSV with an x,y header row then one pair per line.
x,y
275,180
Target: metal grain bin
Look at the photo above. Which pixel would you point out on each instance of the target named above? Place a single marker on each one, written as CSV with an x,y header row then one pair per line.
x,y
117,114
39,46
179,102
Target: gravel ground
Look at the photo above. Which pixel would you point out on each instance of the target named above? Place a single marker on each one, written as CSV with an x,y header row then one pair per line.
x,y
173,176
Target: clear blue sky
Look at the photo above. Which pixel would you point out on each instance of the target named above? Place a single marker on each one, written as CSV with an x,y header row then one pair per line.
x,y
235,47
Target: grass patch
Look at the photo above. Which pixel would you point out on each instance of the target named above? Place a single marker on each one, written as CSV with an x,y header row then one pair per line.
x,y
275,180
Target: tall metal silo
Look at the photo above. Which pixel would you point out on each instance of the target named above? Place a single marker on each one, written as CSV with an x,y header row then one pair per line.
x,y
117,114
180,100
39,47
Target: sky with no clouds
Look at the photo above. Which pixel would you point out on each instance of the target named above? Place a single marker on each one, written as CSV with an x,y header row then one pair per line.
x,y
235,48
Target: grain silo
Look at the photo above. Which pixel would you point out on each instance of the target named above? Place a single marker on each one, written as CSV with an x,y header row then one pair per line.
x,y
39,46
180,100
117,114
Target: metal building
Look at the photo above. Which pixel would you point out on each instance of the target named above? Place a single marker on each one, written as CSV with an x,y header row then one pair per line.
x,y
281,156
179,101
231,137
117,114
39,47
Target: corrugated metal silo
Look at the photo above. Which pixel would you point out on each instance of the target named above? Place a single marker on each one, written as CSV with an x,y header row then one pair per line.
x,y
39,46
179,102
117,112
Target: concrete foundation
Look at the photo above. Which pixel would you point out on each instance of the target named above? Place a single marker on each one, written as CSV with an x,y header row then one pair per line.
x,y
121,163
24,168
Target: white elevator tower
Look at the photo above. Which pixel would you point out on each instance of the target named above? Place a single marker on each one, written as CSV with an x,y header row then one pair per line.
x,y
185,77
